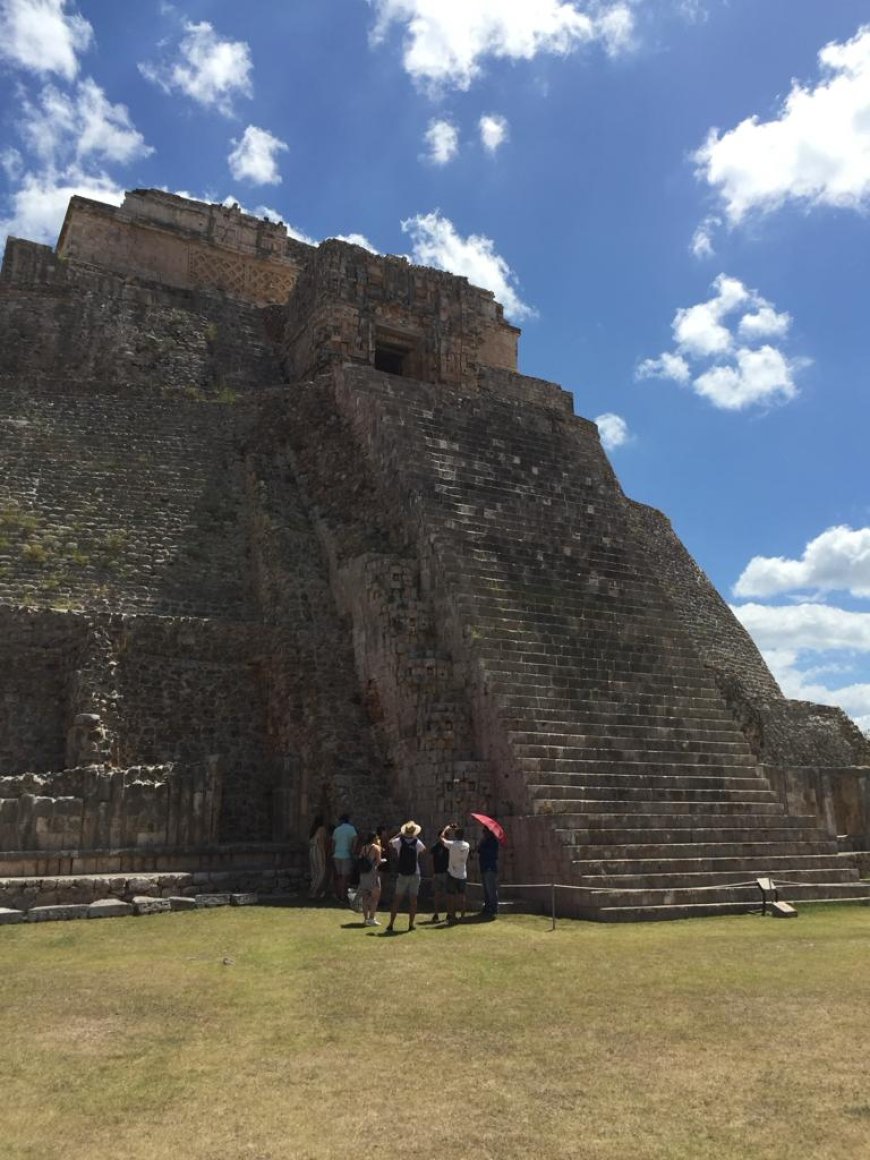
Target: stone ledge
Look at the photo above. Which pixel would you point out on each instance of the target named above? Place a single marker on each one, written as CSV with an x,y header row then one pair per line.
x,y
147,905
9,917
109,908
180,902
58,913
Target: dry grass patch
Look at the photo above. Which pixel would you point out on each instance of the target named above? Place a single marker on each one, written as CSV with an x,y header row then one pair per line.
x,y
706,1040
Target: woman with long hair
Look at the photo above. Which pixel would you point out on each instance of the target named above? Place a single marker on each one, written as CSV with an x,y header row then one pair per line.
x,y
317,840
370,880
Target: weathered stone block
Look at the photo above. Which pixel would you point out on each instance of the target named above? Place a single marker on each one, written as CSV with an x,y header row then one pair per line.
x,y
109,908
144,904
140,886
244,899
207,900
57,913
9,916
178,902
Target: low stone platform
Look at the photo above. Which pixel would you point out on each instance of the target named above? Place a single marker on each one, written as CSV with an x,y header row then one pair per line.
x,y
23,894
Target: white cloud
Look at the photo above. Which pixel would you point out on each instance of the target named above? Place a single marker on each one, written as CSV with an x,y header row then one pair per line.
x,y
80,125
836,560
613,430
666,366
785,633
741,375
209,70
702,239
699,332
764,323
254,157
493,131
798,684
358,240
447,40
69,136
43,36
436,243
442,140
757,376
816,151
40,202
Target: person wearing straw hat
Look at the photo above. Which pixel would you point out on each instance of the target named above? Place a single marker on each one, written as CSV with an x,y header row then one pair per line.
x,y
408,847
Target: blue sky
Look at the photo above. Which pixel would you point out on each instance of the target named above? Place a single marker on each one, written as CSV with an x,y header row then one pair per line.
x,y
670,196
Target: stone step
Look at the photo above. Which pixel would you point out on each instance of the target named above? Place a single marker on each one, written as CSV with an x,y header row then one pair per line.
x,y
620,795
601,746
693,895
735,867
575,829
705,909
588,806
584,671
581,756
643,714
814,875
658,783
580,680
629,729
759,850
601,654
543,765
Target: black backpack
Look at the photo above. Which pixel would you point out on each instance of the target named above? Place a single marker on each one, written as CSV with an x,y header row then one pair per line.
x,y
408,856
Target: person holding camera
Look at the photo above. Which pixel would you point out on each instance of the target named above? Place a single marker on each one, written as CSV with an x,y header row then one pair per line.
x,y
453,837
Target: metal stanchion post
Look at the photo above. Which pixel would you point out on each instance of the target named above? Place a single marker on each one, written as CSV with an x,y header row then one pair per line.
x,y
553,904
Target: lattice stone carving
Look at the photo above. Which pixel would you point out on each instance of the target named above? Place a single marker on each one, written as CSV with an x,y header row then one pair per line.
x,y
261,282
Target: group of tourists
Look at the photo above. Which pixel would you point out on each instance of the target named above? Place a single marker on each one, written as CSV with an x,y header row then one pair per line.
x,y
344,853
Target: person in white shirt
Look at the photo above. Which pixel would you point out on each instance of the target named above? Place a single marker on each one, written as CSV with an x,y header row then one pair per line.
x,y
457,869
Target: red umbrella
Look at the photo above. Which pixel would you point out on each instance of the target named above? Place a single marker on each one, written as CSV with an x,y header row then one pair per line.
x,y
491,824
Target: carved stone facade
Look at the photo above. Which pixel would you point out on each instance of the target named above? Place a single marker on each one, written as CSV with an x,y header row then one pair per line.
x,y
177,242
284,532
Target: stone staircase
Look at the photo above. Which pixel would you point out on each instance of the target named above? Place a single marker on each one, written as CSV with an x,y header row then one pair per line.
x,y
615,729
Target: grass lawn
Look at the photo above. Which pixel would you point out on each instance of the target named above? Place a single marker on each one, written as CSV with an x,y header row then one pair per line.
x,y
262,1034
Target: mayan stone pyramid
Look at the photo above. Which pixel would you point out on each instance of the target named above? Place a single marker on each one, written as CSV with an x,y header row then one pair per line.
x,y
283,531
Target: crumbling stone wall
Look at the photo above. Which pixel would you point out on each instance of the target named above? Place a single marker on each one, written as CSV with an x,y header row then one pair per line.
x,y
99,808
348,303
67,324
